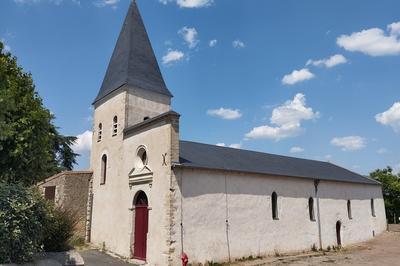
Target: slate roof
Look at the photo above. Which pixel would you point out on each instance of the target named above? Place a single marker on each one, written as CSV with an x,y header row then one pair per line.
x,y
198,155
133,61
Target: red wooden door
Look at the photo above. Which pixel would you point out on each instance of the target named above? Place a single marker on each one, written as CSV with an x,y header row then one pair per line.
x,y
141,228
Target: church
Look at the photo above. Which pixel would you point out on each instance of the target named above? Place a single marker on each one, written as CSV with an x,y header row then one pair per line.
x,y
154,197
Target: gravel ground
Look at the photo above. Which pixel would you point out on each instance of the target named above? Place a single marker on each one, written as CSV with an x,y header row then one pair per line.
x,y
382,250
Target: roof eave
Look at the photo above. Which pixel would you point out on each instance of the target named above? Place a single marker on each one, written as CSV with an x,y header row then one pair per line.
x,y
180,165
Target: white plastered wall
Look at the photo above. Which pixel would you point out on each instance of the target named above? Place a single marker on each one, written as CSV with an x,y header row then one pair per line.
x,y
246,205
141,103
113,213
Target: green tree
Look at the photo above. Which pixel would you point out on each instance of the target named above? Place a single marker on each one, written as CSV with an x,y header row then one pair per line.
x,y
24,216
391,191
31,148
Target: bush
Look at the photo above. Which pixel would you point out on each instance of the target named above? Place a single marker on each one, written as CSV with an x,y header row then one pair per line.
x,y
59,230
23,218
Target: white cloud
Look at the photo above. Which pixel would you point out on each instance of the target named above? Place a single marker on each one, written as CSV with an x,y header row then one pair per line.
x,y
194,3
374,41
190,36
234,145
332,61
382,151
350,143
104,3
225,113
189,3
238,44
287,119
212,43
6,47
390,117
394,28
396,168
172,56
296,149
83,142
297,76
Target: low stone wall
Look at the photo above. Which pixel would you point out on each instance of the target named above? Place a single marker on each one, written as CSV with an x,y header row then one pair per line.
x,y
71,193
394,227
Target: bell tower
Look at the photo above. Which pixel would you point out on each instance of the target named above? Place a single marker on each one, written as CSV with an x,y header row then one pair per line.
x,y
135,142
133,70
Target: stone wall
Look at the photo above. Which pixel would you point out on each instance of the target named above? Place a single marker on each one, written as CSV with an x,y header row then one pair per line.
x,y
71,194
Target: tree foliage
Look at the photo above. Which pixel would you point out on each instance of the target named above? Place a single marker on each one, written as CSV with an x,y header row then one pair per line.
x,y
23,218
60,229
391,191
31,148
30,224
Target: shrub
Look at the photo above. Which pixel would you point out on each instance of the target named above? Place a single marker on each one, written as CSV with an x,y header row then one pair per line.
x,y
23,217
59,229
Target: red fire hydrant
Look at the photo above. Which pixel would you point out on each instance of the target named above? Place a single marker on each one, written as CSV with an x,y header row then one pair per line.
x,y
184,259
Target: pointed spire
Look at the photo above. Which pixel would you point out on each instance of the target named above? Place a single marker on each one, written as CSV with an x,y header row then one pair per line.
x,y
133,61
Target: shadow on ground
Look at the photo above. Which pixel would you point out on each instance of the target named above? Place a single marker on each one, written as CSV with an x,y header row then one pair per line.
x,y
97,258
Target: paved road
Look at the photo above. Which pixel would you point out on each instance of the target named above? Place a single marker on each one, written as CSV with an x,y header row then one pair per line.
x,y
96,258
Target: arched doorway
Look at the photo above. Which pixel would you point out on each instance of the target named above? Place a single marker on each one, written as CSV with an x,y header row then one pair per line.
x,y
141,226
338,233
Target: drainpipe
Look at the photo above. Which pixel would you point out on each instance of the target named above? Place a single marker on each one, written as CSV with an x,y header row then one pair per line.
x,y
316,183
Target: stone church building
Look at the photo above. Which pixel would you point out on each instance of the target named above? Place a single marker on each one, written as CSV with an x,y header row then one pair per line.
x,y
155,197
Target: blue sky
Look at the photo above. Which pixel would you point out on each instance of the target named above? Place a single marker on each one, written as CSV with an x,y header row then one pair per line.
x,y
312,79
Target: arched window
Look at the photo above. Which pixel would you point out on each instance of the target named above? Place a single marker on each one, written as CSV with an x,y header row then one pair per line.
x,y
372,207
274,200
146,118
103,169
311,208
100,132
349,210
115,126
142,154
141,199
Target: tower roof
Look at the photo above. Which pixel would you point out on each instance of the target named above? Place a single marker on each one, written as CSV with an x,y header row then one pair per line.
x,y
133,61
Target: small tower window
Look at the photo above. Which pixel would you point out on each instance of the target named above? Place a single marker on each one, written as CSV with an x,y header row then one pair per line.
x,y
103,169
349,210
146,118
100,132
115,126
274,200
372,207
311,208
